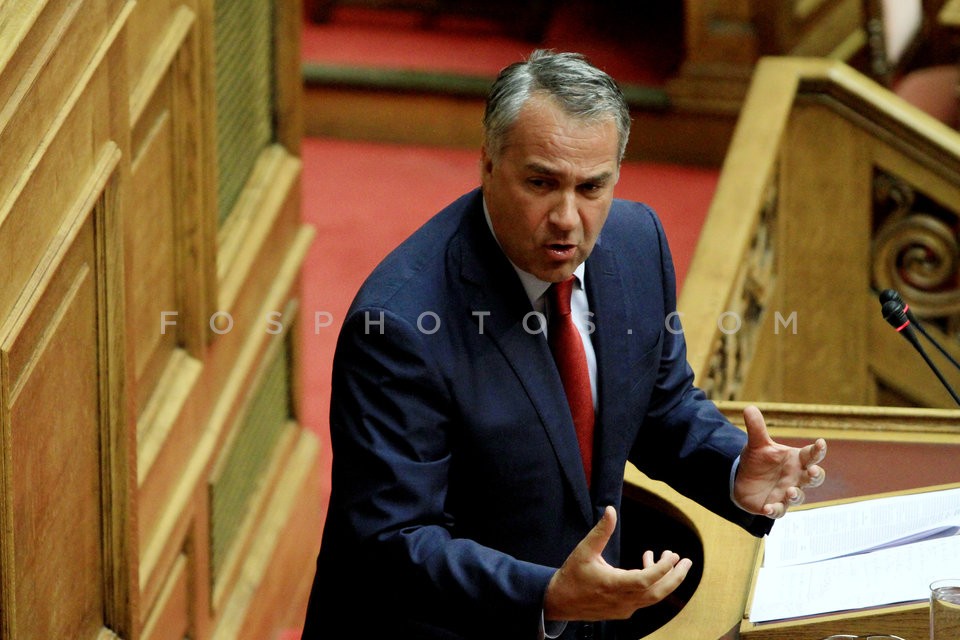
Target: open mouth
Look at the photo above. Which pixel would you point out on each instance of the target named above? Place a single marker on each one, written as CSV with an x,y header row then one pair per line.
x,y
562,251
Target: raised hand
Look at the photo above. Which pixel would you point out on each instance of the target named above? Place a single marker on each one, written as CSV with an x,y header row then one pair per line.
x,y
772,476
587,588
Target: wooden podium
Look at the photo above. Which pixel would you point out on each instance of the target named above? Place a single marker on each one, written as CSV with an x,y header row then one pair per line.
x,y
871,451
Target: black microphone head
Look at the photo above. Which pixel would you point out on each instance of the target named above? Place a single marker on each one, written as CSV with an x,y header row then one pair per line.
x,y
896,317
894,314
890,294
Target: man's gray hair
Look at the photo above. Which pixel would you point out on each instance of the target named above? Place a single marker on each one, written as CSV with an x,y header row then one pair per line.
x,y
582,91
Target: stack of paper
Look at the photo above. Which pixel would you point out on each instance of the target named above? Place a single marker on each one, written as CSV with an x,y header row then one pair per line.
x,y
857,555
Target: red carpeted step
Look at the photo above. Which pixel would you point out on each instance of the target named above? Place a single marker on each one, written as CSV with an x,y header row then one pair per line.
x,y
637,43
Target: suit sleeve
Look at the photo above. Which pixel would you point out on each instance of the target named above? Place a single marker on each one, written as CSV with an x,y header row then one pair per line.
x,y
695,446
392,423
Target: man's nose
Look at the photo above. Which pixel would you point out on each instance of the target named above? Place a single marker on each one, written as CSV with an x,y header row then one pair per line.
x,y
565,213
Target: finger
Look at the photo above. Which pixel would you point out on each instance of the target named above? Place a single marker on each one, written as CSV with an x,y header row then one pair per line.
x,y
757,434
774,510
813,454
672,570
655,571
596,541
795,496
816,476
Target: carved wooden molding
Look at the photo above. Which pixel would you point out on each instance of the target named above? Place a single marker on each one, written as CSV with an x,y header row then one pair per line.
x,y
916,249
740,323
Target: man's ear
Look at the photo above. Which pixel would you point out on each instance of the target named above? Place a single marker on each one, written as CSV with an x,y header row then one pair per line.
x,y
486,162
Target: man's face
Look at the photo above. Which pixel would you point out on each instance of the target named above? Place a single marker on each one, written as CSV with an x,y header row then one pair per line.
x,y
549,191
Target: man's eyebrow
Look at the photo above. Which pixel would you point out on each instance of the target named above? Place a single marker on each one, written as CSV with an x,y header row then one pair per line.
x,y
600,178
536,167
540,169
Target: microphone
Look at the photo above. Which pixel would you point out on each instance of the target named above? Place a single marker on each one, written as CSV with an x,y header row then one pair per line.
x,y
893,295
896,316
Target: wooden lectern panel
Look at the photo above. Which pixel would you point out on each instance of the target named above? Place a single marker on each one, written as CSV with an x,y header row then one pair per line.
x,y
715,608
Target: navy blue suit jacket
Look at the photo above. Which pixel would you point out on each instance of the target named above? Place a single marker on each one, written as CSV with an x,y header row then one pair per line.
x,y
457,487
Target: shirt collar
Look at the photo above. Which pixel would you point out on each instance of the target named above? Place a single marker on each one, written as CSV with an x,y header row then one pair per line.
x,y
534,286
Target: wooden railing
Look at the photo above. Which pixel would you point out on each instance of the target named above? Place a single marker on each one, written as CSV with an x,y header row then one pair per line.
x,y
833,189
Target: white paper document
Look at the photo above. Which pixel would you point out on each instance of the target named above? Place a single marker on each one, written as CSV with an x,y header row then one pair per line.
x,y
888,576
857,555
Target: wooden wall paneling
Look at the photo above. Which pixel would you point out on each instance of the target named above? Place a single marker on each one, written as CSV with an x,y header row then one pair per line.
x,y
165,496
65,124
165,234
153,41
195,226
257,215
166,248
268,596
236,510
170,618
7,549
178,597
807,27
265,292
151,242
242,480
209,176
179,529
68,475
169,179
58,44
57,507
278,347
107,217
726,38
720,31
722,46
169,490
289,86
52,141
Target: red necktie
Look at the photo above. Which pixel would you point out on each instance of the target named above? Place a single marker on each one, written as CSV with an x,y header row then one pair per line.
x,y
567,347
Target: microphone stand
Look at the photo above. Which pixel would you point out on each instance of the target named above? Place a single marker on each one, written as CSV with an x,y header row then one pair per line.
x,y
895,314
891,294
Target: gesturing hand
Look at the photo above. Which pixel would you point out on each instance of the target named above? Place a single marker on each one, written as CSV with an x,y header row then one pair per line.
x,y
587,588
772,476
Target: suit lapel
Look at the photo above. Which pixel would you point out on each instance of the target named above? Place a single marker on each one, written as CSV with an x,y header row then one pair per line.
x,y
493,289
613,346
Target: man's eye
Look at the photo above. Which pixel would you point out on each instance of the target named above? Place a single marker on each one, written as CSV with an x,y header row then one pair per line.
x,y
537,183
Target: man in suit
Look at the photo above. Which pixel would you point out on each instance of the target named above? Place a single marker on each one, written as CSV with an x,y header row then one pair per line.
x,y
477,465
